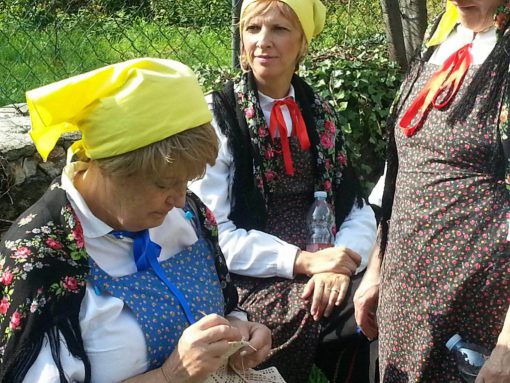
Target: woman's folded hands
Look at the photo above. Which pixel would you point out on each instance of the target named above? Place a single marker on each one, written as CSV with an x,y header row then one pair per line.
x,y
339,259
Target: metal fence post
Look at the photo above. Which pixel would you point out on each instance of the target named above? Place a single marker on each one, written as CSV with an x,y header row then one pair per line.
x,y
236,12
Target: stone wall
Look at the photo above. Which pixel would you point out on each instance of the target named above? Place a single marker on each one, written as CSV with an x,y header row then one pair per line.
x,y
23,175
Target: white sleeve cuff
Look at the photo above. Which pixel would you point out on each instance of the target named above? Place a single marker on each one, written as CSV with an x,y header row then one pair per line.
x,y
358,232
286,261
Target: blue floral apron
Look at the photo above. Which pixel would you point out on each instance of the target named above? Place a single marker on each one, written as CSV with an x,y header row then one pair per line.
x,y
162,315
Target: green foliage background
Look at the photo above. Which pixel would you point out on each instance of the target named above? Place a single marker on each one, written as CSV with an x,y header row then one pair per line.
x,y
42,41
361,83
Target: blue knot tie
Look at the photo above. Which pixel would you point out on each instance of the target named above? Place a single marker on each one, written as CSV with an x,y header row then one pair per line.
x,y
144,250
146,255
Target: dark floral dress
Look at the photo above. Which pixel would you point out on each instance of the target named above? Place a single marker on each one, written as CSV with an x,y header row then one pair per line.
x,y
447,265
277,302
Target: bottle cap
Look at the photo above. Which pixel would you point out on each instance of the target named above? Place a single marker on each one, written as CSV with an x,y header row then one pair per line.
x,y
320,194
453,341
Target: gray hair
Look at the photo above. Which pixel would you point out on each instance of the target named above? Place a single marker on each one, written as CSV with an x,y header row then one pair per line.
x,y
183,156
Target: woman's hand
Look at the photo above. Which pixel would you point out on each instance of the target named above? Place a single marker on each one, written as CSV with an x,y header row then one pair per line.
x,y
341,260
259,337
366,299
328,289
200,350
496,369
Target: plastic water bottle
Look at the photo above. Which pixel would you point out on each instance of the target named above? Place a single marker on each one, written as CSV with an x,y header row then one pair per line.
x,y
470,357
319,221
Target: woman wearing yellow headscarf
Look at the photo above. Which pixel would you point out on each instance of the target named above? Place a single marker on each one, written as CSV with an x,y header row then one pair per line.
x,y
280,143
446,208
115,273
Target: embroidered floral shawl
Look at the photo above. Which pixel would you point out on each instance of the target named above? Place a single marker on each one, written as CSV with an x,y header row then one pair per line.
x,y
239,116
43,272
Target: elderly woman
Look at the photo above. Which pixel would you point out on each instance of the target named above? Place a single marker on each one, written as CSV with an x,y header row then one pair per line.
x,y
279,143
115,273
446,265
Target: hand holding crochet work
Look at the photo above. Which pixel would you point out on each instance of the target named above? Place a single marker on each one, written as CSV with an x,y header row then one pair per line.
x,y
202,349
229,374
256,347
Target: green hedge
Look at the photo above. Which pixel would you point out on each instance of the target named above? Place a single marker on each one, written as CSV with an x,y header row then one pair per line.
x,y
193,12
362,83
42,13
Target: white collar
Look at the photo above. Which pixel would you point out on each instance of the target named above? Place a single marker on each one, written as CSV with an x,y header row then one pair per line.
x,y
92,226
266,102
483,43
486,35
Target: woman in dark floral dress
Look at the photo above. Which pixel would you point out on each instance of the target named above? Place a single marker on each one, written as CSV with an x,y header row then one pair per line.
x,y
446,264
280,143
115,274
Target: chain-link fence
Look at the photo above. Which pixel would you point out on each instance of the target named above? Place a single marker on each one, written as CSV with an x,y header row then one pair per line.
x,y
46,40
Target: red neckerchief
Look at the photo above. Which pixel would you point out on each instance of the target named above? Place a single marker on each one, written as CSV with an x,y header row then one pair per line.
x,y
439,91
276,121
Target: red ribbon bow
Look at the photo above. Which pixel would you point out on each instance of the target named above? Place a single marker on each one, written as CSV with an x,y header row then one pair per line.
x,y
439,91
276,121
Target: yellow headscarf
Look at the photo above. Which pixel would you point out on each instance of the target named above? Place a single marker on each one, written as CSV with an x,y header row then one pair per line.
x,y
118,108
445,26
311,15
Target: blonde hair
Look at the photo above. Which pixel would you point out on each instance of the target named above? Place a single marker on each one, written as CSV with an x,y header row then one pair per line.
x,y
260,7
182,156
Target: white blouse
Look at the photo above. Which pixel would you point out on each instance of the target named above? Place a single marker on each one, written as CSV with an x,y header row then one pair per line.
x,y
112,337
483,44
254,252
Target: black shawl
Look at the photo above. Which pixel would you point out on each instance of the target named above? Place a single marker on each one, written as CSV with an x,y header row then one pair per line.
x,y
248,205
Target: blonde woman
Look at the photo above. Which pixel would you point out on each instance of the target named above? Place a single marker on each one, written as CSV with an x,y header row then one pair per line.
x,y
280,143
